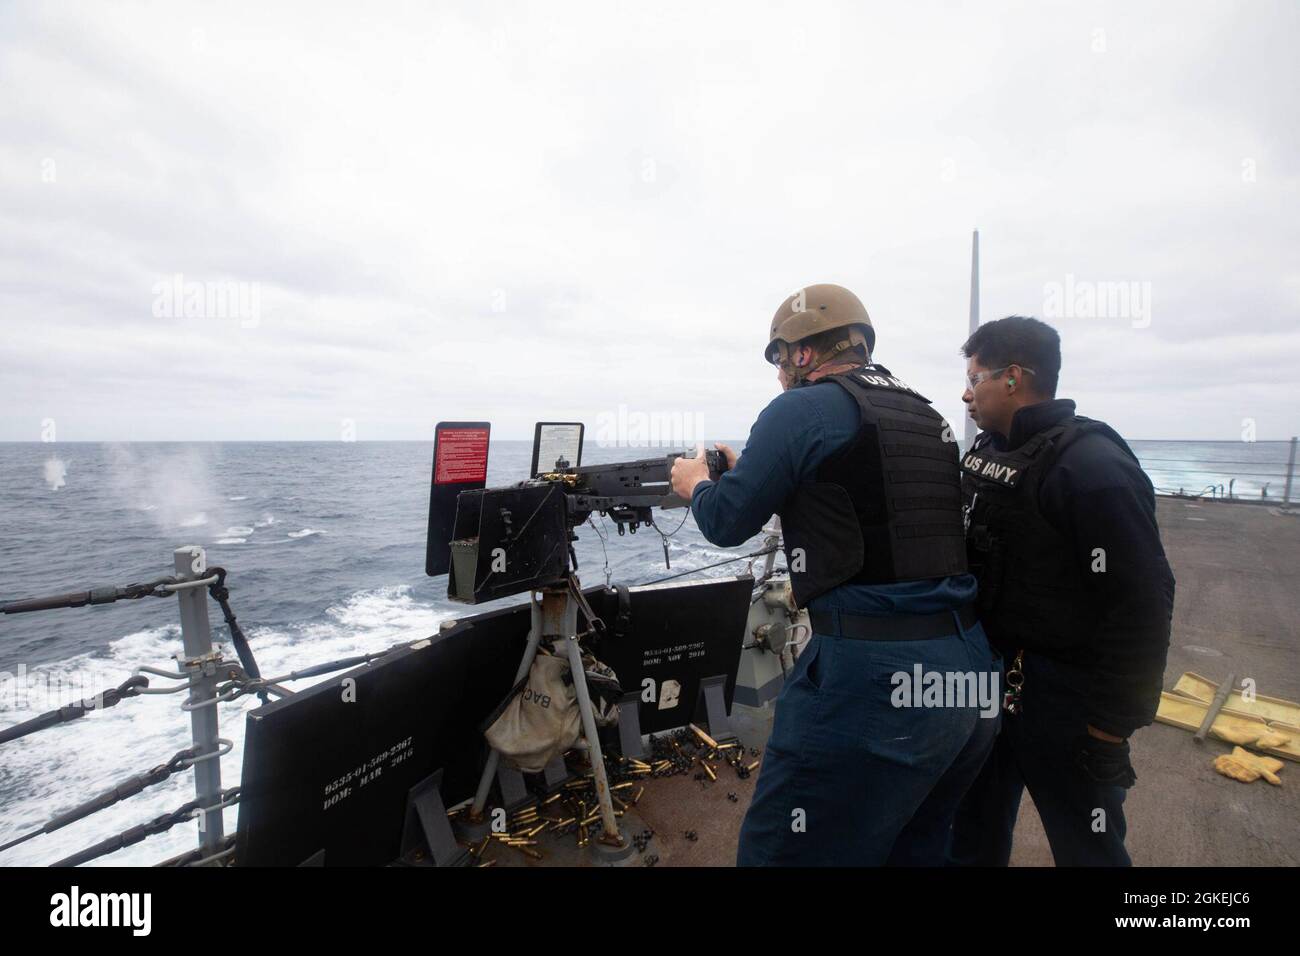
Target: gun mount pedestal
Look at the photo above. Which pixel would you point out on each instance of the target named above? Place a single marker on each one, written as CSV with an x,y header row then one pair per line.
x,y
495,542
555,619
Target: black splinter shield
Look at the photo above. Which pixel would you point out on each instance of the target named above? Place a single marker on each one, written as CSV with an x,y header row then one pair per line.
x,y
553,441
460,455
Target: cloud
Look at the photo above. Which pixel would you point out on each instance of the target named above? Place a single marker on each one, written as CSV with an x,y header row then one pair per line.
x,y
498,211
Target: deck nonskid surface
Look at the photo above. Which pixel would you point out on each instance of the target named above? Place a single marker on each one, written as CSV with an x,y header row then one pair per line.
x,y
1237,606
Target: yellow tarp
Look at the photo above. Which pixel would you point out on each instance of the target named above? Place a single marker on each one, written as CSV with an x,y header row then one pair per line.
x,y
1237,728
1268,708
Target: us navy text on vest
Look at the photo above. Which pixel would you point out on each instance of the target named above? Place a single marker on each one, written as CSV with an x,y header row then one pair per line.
x,y
985,468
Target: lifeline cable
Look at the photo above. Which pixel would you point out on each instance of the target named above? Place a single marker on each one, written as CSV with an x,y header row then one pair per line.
x,y
126,788
717,564
131,687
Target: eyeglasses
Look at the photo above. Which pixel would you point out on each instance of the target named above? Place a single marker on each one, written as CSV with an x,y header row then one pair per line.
x,y
975,380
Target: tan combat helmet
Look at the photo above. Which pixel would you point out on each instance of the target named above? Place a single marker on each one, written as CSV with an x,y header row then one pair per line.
x,y
814,309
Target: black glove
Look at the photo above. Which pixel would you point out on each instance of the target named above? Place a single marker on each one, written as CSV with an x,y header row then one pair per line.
x,y
1105,762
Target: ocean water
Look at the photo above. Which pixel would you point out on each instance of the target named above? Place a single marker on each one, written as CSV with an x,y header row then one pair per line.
x,y
1252,470
324,545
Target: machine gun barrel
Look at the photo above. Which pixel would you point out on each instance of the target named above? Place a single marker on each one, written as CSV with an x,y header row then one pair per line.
x,y
494,542
636,484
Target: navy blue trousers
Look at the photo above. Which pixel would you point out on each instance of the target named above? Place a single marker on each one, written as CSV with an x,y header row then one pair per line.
x,y
850,779
1037,748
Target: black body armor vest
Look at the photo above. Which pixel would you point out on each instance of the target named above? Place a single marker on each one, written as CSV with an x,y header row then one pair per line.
x,y
1032,591
885,508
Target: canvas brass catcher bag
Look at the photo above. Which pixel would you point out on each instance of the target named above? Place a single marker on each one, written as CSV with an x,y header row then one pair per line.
x,y
539,719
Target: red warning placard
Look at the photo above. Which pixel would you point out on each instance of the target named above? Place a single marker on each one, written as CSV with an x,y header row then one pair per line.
x,y
460,455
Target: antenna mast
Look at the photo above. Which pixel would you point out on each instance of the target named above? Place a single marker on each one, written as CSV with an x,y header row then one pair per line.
x,y
974,314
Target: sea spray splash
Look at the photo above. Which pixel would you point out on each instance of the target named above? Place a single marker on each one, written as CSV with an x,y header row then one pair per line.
x,y
174,486
56,470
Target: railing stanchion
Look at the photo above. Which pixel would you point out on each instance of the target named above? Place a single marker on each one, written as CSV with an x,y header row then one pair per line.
x,y
1290,473
197,637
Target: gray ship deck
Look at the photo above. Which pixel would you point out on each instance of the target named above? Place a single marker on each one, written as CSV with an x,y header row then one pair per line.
x,y
1238,600
1237,609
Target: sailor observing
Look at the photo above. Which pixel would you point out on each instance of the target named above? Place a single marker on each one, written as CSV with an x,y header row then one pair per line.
x,y
864,476
1075,592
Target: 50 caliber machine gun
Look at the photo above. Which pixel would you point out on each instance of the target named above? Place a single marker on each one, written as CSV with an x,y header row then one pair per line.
x,y
495,542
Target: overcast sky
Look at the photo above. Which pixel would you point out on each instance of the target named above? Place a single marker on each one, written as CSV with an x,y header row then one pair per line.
x,y
522,211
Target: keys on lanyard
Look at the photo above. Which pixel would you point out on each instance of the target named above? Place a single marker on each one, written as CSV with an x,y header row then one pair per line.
x,y
967,511
1015,681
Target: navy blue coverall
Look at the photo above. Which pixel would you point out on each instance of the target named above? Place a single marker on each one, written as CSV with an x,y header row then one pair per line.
x,y
849,779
